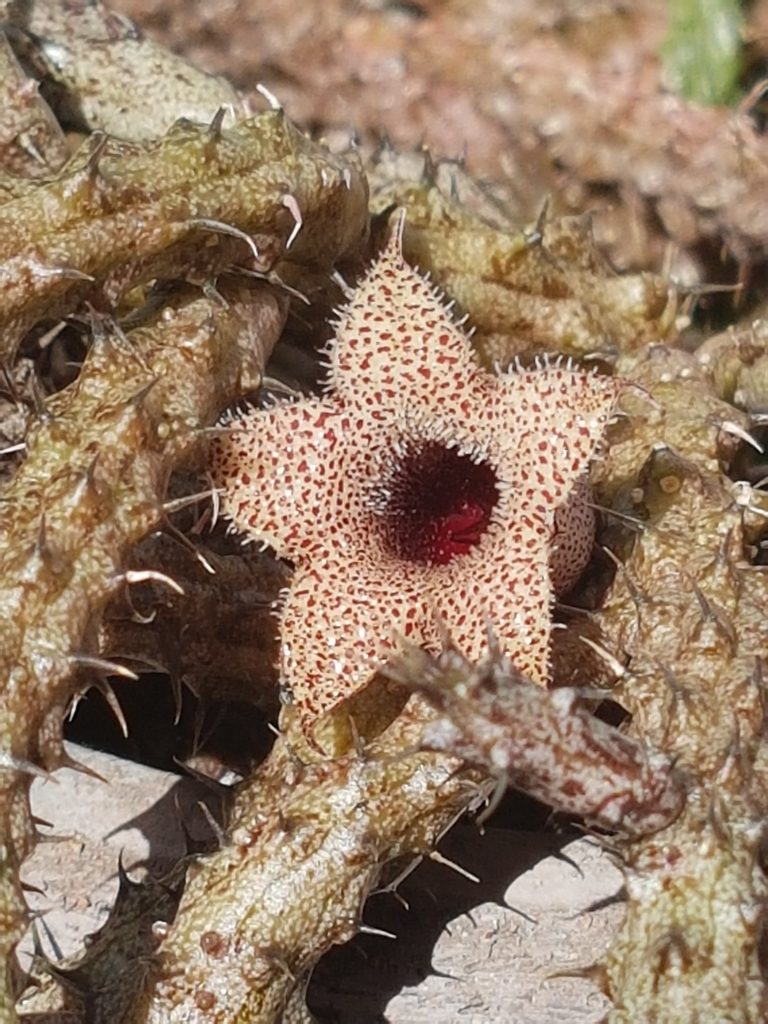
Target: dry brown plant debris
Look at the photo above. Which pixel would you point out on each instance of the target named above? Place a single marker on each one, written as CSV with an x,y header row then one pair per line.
x,y
551,98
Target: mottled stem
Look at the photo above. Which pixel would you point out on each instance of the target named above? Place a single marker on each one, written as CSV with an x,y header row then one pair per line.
x,y
184,206
687,613
92,484
307,844
543,742
32,143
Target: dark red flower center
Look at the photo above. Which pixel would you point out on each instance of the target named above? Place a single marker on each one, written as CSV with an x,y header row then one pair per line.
x,y
436,503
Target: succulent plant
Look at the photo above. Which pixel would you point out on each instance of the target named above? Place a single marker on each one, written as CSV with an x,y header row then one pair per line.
x,y
178,249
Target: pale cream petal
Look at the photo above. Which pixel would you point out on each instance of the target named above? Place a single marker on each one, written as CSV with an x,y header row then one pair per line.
x,y
564,413
503,585
278,470
396,340
339,623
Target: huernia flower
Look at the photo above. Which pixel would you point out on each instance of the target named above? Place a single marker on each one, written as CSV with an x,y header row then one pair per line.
x,y
420,493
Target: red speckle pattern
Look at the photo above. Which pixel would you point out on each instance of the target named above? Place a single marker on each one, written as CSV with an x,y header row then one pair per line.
x,y
313,479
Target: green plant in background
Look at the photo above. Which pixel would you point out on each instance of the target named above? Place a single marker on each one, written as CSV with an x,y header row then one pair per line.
x,y
702,52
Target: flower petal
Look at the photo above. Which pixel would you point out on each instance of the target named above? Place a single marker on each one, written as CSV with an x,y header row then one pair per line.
x,y
338,625
396,341
505,586
275,467
564,413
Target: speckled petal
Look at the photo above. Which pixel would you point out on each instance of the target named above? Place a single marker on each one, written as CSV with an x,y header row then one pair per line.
x,y
396,335
338,626
272,464
565,412
504,585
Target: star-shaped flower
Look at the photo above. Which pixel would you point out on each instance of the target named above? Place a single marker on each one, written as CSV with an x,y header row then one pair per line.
x,y
421,492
